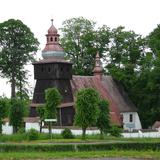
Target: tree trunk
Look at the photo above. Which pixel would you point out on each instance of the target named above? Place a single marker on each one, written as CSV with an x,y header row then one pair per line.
x,y
84,133
40,126
14,129
13,86
101,135
1,126
50,128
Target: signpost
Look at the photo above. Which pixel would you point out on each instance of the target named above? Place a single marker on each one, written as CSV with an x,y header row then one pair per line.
x,y
50,122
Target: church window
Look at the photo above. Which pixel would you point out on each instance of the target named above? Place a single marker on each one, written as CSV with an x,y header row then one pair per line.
x,y
55,39
51,39
131,118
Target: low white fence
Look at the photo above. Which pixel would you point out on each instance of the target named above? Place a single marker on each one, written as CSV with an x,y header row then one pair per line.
x,y
7,129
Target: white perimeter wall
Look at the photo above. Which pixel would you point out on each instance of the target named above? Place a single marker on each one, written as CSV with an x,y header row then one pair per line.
x,y
8,130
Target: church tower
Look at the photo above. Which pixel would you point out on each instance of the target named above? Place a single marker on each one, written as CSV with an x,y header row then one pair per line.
x,y
52,71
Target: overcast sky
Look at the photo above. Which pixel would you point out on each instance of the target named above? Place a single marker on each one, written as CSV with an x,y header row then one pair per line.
x,y
142,16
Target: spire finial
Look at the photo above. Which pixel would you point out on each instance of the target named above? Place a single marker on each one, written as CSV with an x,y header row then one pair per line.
x,y
52,21
98,70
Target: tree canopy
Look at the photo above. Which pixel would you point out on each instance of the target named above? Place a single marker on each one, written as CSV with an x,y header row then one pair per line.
x,y
103,121
18,110
86,108
16,44
53,99
81,41
128,57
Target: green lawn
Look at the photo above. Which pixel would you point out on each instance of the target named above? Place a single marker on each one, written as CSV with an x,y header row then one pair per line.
x,y
50,155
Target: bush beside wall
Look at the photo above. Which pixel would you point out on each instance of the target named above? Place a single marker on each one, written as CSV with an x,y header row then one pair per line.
x,y
79,147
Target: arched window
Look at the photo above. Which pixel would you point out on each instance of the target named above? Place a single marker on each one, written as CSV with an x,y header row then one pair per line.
x,y
55,39
51,39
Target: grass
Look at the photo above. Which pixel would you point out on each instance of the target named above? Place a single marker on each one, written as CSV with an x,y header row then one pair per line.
x,y
57,138
97,154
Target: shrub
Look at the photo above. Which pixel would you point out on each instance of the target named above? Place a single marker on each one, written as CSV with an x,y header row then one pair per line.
x,y
32,134
21,131
115,131
66,133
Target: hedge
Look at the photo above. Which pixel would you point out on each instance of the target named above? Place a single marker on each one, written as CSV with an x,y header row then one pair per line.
x,y
78,147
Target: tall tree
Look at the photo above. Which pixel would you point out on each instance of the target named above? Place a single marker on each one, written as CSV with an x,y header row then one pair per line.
x,y
17,112
86,109
103,121
16,43
154,41
125,55
81,41
53,99
132,63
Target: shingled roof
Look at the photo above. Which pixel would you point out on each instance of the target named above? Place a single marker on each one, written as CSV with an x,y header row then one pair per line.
x,y
108,89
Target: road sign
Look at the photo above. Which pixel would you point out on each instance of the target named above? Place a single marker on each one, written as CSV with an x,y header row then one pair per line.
x,y
50,120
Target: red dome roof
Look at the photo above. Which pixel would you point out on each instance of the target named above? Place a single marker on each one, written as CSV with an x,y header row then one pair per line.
x,y
52,29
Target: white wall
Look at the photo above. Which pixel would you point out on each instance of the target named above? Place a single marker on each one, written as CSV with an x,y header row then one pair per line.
x,y
32,125
135,124
7,129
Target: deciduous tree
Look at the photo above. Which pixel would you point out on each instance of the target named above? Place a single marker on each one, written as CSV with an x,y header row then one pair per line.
x,y
18,110
86,108
81,41
41,114
103,121
16,43
53,99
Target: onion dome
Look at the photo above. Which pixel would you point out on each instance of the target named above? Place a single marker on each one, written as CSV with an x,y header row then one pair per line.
x,y
52,29
53,48
98,70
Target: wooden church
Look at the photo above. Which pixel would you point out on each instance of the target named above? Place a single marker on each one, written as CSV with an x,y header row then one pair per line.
x,y
54,71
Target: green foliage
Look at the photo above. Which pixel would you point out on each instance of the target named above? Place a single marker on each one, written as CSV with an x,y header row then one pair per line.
x,y
115,131
154,41
16,43
18,137
127,146
67,134
53,99
36,147
17,111
103,121
32,134
81,41
4,106
86,108
131,64
41,114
